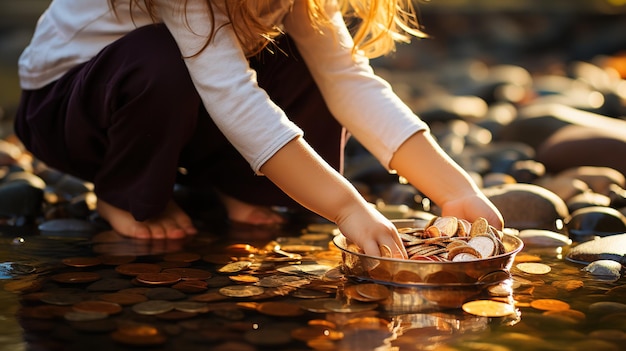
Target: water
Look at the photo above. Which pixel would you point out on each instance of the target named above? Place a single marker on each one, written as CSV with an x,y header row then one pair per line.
x,y
596,317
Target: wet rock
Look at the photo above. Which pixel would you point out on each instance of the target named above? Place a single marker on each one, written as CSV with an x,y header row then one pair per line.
x,y
527,171
496,179
69,227
607,269
606,307
9,153
20,198
69,187
607,248
563,187
528,206
587,222
540,237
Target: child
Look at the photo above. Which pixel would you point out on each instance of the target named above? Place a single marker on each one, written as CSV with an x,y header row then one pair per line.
x,y
247,97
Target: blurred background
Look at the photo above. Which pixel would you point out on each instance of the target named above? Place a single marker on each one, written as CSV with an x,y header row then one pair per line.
x,y
541,36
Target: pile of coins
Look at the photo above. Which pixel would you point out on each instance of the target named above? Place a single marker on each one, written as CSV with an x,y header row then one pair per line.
x,y
452,239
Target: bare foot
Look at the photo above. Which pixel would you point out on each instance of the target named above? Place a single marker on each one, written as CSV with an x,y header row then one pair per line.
x,y
173,223
243,212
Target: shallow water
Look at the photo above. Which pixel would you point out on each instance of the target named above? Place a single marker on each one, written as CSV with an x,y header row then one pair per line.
x,y
305,304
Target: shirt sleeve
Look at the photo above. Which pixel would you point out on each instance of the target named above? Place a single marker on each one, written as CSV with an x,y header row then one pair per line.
x,y
360,100
227,85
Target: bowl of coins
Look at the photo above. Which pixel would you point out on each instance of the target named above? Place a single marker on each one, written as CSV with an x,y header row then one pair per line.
x,y
450,260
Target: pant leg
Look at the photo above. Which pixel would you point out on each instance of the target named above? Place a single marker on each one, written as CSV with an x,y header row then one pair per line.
x,y
289,84
120,120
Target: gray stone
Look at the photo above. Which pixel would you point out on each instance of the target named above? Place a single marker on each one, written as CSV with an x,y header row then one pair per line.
x,y
541,237
607,248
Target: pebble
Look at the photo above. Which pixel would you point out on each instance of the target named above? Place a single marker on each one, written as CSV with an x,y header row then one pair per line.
x,y
607,248
542,209
548,238
607,269
585,223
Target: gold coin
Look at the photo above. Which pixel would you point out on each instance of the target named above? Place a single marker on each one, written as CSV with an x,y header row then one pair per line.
x,y
385,251
550,305
279,309
244,278
97,306
158,278
134,269
569,285
533,268
76,277
241,290
81,261
235,267
488,308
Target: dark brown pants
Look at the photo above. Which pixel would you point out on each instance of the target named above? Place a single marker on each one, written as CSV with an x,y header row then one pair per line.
x,y
129,118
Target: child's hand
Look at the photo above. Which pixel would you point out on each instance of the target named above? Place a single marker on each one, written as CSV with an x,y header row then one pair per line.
x,y
471,207
371,231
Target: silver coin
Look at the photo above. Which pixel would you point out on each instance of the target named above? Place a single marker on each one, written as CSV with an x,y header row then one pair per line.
x,y
153,307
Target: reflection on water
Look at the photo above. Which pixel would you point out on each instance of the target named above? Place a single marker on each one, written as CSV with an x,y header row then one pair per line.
x,y
277,292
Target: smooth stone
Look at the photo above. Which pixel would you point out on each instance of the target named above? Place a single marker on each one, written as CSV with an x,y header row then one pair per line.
x,y
19,198
25,177
495,179
527,171
9,153
599,179
588,222
538,122
576,145
563,187
69,187
605,268
528,206
607,248
587,199
67,227
606,307
500,155
540,237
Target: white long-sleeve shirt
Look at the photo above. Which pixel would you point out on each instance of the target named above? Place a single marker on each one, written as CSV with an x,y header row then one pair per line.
x,y
71,32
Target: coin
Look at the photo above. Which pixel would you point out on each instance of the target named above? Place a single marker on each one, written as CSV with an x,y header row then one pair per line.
x,y
550,305
241,290
488,308
153,307
385,251
374,292
84,316
158,278
189,273
191,306
533,268
191,286
76,277
141,335
234,267
209,297
134,269
97,306
60,299
344,307
279,309
123,299
244,278
81,261
310,294
406,277
573,314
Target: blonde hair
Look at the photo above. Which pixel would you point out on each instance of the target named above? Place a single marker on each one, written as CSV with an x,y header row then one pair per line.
x,y
379,24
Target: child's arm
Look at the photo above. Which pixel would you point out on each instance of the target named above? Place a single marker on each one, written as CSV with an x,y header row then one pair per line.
x,y
427,167
304,176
